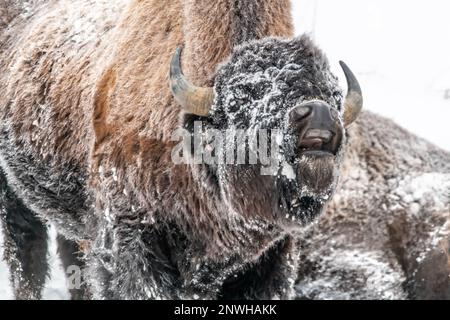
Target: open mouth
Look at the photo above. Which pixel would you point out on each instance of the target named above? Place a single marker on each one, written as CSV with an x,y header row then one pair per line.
x,y
315,172
316,142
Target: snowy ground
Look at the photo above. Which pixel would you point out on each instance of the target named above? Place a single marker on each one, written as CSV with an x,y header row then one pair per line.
x,y
400,51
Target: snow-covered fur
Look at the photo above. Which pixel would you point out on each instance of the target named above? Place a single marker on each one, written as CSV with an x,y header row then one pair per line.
x,y
386,233
11,9
86,125
220,231
86,120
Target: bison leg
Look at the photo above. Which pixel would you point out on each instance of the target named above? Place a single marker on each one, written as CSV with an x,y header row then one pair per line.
x,y
25,244
73,264
131,261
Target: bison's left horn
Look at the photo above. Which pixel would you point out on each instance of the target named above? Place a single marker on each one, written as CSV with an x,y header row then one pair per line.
x,y
354,99
195,100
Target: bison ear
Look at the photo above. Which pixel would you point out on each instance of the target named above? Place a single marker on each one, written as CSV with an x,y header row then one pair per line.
x,y
354,100
194,100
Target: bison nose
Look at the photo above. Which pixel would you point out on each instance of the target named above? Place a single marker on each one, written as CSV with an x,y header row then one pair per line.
x,y
316,126
312,115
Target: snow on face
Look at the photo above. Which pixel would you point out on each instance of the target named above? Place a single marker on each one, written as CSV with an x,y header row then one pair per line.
x,y
262,81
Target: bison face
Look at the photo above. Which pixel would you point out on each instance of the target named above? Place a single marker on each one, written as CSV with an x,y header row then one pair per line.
x,y
280,117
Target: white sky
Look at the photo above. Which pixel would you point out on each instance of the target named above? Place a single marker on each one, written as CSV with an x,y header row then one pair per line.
x,y
400,51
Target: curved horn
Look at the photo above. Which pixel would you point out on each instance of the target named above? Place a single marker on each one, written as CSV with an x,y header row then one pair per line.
x,y
354,100
195,100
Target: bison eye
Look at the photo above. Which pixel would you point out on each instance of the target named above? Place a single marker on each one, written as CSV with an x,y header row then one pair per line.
x,y
337,95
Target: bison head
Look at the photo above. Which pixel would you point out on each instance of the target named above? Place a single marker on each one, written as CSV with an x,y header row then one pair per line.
x,y
280,93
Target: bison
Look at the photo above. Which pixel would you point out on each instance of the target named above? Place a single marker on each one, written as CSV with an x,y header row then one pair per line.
x,y
87,119
88,115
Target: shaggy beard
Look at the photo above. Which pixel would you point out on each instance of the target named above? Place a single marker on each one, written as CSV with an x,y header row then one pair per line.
x,y
303,200
316,172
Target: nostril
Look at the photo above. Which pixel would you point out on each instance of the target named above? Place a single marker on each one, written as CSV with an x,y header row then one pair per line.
x,y
299,113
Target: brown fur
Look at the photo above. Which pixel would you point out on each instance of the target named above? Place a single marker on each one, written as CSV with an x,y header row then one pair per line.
x,y
232,23
132,108
98,99
151,114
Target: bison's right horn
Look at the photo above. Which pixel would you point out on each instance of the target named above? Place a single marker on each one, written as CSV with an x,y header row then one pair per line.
x,y
195,100
354,99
